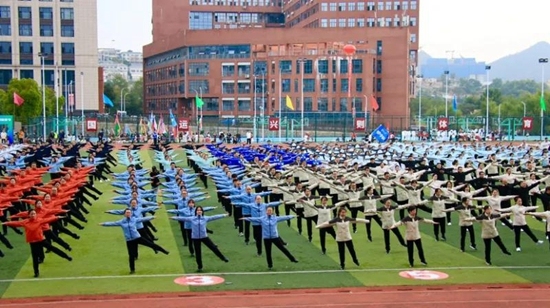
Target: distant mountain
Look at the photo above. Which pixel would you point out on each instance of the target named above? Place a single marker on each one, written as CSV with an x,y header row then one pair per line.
x,y
423,57
522,65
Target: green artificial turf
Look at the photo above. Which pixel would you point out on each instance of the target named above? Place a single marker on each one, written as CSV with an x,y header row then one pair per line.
x,y
100,263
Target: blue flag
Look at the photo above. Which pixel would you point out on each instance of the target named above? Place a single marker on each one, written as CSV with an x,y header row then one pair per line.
x,y
455,103
381,134
173,121
107,101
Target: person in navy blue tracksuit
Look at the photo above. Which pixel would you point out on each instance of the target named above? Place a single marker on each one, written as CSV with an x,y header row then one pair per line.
x,y
132,236
199,234
270,234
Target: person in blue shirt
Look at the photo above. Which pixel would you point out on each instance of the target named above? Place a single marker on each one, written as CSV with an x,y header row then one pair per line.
x,y
186,227
270,234
199,234
132,236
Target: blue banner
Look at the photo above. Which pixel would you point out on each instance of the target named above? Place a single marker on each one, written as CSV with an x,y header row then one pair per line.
x,y
107,101
381,134
455,103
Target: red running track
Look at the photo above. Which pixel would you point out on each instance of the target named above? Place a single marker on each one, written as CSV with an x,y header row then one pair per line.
x,y
480,296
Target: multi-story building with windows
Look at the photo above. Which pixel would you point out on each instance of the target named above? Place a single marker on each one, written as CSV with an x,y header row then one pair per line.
x,y
239,54
60,33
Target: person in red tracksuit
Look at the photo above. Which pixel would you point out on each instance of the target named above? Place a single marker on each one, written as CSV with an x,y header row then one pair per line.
x,y
35,237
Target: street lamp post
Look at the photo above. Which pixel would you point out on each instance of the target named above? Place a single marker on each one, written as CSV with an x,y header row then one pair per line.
x,y
124,100
524,113
82,100
420,77
487,69
446,93
262,111
542,61
121,100
254,121
302,66
56,99
42,56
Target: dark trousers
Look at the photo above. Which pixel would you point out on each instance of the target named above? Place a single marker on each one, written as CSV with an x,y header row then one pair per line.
x,y
507,223
37,253
354,212
51,237
323,235
440,226
463,230
289,207
257,234
184,234
279,244
527,230
310,221
237,215
299,216
189,241
410,250
369,224
487,242
5,241
246,228
387,238
208,243
342,252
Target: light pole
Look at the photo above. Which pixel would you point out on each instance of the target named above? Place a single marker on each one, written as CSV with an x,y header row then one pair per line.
x,y
124,100
56,98
262,111
302,62
42,56
487,69
121,100
524,114
542,102
446,93
420,77
82,100
254,121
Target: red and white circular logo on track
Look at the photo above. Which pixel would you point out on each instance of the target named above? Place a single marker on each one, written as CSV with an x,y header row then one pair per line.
x,y
199,280
423,275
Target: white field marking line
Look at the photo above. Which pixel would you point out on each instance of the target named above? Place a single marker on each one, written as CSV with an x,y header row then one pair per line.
x,y
366,270
329,294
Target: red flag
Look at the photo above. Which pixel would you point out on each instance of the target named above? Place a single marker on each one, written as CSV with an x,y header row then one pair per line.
x,y
18,100
374,103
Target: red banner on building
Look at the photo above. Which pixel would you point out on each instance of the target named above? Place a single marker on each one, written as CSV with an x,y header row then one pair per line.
x,y
360,124
527,123
443,124
183,125
91,125
274,124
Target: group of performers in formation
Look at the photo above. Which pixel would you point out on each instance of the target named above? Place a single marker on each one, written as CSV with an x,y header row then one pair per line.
x,y
326,187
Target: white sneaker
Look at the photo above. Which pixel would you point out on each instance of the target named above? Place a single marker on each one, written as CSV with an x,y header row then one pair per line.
x,y
241,234
540,242
518,249
449,224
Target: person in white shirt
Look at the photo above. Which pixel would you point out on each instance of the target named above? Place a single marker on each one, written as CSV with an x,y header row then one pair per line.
x,y
519,222
387,217
494,202
465,210
324,214
412,234
489,231
438,201
309,212
248,137
343,235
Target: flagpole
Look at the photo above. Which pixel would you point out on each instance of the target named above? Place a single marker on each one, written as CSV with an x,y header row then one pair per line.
x,y
56,98
66,100
366,111
302,97
280,103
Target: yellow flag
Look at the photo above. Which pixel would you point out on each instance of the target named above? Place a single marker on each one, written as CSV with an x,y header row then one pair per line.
x,y
289,103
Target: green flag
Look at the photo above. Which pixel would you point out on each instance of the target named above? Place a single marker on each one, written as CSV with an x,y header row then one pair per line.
x,y
199,102
542,103
117,126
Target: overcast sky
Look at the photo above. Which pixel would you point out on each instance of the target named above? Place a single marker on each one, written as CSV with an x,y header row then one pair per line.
x,y
484,29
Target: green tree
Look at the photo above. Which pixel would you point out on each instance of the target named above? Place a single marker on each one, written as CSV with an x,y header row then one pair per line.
x,y
134,100
29,90
114,87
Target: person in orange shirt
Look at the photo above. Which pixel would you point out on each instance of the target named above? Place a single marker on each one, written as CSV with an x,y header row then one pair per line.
x,y
34,236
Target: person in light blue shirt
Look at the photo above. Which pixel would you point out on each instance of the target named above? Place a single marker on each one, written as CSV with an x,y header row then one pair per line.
x,y
199,234
132,236
270,234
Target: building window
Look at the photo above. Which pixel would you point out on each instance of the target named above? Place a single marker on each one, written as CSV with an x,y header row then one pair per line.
x,y
413,5
332,7
26,52
344,104
228,88
285,85
286,66
200,20
308,67
228,105
342,7
405,5
46,30
324,23
333,23
67,13
48,50
388,6
357,66
5,51
67,54
413,21
25,30
370,6
324,85
361,22
324,7
5,77
351,22
397,5
5,30
370,22
182,70
243,87
344,85
322,104
342,23
343,66
322,66
211,104
309,85
413,38
228,70
5,12
199,69
378,84
359,84
379,66
334,85
67,30
198,86
25,12
260,85
351,6
378,48
244,70
26,74
380,6
360,6
308,104
244,105
45,13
